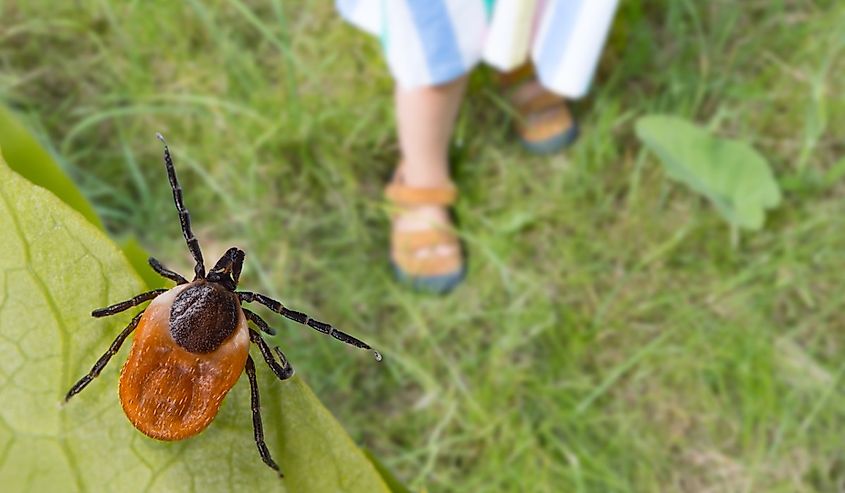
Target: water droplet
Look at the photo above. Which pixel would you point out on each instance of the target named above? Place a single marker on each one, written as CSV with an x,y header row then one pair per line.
x,y
377,355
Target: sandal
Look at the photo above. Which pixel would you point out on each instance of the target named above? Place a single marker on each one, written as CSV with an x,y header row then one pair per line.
x,y
545,123
411,254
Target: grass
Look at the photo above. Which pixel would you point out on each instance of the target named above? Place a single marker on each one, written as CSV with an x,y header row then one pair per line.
x,y
609,338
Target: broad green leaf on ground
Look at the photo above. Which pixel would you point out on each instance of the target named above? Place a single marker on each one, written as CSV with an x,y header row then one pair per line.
x,y
734,176
56,267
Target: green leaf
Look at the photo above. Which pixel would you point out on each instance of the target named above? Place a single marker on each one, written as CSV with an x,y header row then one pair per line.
x,y
56,268
26,156
734,176
40,168
387,475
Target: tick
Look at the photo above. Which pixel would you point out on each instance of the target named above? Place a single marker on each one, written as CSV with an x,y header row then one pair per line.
x,y
192,343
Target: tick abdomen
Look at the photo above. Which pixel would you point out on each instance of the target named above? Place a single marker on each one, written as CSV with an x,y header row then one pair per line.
x,y
203,316
169,392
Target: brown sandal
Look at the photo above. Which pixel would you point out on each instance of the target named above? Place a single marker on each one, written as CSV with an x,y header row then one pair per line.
x,y
545,123
439,272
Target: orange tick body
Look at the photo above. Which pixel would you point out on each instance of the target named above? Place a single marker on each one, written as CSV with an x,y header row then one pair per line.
x,y
169,392
192,344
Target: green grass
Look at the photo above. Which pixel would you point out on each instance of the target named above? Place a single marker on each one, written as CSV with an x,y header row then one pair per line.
x,y
608,339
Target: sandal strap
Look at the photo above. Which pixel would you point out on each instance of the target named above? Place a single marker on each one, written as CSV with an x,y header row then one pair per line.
x,y
430,266
515,77
415,240
409,196
406,244
542,101
513,81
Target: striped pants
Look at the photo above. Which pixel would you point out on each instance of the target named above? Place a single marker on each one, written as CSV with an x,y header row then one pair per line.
x,y
431,42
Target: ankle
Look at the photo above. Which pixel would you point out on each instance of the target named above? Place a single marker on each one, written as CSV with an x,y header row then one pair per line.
x,y
424,175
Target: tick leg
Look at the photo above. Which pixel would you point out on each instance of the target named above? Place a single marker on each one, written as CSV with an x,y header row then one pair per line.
x,y
305,320
165,272
125,305
283,371
256,417
184,216
259,322
104,359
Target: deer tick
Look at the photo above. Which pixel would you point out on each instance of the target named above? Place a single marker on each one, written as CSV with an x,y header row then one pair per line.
x,y
192,341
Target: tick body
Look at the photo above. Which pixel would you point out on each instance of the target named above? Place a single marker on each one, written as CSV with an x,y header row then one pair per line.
x,y
192,342
183,361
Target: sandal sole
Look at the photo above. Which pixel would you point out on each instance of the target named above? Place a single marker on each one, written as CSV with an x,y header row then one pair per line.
x,y
441,284
552,144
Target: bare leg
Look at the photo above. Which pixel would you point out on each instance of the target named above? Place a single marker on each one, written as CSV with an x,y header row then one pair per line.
x,y
104,359
426,119
258,428
165,272
125,305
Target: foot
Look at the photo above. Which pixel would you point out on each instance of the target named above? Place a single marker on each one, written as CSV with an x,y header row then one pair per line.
x,y
545,123
424,218
425,250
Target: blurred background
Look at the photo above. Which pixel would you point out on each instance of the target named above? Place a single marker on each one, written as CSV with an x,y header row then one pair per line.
x,y
610,336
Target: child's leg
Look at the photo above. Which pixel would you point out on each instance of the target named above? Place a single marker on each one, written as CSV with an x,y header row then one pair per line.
x,y
424,248
426,118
